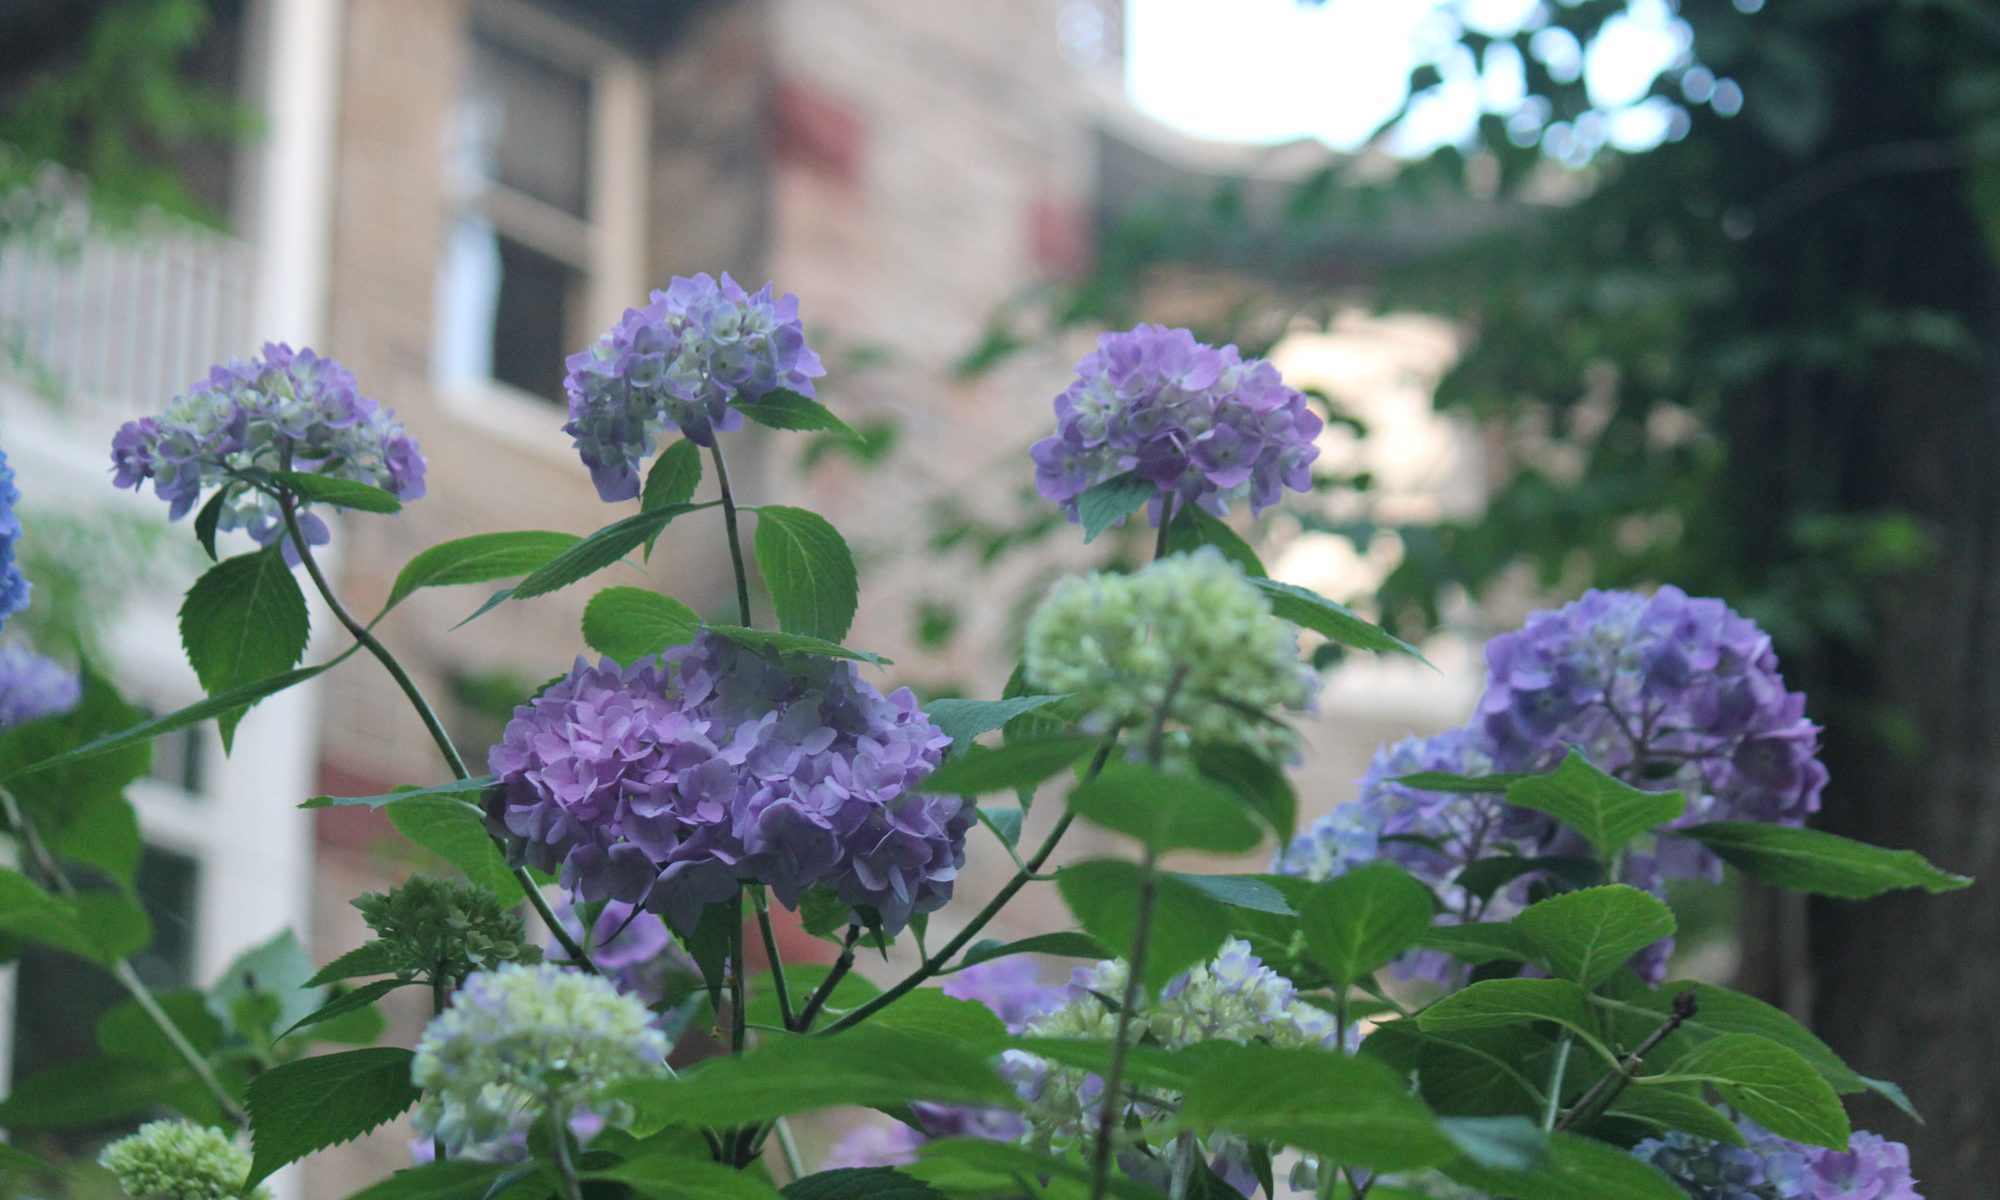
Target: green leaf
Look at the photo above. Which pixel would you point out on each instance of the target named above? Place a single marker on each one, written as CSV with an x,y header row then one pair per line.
x,y
1506,1143
1718,1011
1478,942
1483,877
1446,781
1165,811
674,477
1825,864
222,703
1471,1072
1194,527
1578,1169
976,1167
1255,781
1004,822
456,833
785,409
686,1179
102,926
456,1179
466,791
209,518
1257,893
481,558
1351,1110
1025,764
788,1074
1310,610
346,1002
1770,1084
808,571
277,969
15,1161
772,641
1105,504
863,1183
625,624
928,1012
1188,927
963,720
1496,1002
342,493
307,1105
90,1092
1357,921
369,958
1065,944
1661,1109
1608,812
77,802
1588,935
598,551
244,620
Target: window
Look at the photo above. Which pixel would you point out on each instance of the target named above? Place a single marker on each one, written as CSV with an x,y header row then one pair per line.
x,y
546,178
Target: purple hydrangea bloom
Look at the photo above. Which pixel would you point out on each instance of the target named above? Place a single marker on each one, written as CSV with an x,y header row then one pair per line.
x,y
33,687
630,946
682,362
1197,422
288,410
1773,1168
670,782
1665,692
13,585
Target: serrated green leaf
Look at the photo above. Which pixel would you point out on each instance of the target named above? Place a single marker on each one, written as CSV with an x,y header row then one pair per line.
x,y
1483,877
90,1092
455,832
963,720
1165,811
1587,935
243,620
1254,893
1350,1110
207,521
341,493
772,641
1497,1002
299,1107
808,570
351,1000
1194,527
1310,610
685,1179
1109,502
788,410
456,1179
278,969
1608,812
1356,922
976,1167
861,1183
1478,942
1770,1084
1505,1143
1825,864
1255,781
625,624
466,791
674,477
1004,822
1662,1110
369,958
1066,944
1024,764
1188,927
928,1012
598,551
480,558
1578,1169
72,801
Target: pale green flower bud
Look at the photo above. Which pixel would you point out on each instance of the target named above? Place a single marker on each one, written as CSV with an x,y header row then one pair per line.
x,y
179,1160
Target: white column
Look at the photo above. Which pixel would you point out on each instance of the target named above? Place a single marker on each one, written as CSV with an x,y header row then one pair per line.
x,y
292,224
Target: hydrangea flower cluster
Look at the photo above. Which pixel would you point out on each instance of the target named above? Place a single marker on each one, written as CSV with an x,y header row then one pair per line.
x,y
287,410
445,929
33,687
13,585
179,1160
1665,691
529,1039
670,782
631,947
681,362
1773,1168
1233,997
1199,423
1188,630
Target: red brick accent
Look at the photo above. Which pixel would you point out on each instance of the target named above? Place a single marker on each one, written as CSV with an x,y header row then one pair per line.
x,y
818,132
1060,235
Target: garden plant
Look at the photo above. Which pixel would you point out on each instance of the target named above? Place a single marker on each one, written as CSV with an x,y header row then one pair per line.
x,y
1456,986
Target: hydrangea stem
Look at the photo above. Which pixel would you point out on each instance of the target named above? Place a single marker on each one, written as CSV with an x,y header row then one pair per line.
x,y
121,968
841,966
288,504
1552,1103
1114,1075
1614,1081
770,935
1166,524
735,538
572,1184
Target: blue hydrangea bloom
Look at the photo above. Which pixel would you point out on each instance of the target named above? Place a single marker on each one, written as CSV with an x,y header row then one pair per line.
x,y
1197,422
682,362
13,585
671,782
287,410
33,687
1773,1168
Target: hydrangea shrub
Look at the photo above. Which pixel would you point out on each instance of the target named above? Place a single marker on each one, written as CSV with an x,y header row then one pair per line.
x,y
1455,985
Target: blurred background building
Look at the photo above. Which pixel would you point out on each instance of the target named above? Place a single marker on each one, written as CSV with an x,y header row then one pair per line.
x,y
452,195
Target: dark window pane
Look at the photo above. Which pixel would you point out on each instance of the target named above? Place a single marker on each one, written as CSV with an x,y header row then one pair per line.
x,y
532,334
178,759
533,119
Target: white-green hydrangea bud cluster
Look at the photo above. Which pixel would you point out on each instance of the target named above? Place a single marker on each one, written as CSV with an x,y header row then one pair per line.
x,y
1233,997
1189,628
179,1160
530,1039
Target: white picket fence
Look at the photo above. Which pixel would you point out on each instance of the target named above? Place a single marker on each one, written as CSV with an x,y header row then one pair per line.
x,y
121,320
